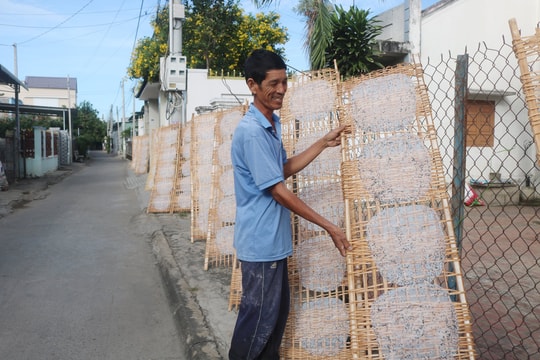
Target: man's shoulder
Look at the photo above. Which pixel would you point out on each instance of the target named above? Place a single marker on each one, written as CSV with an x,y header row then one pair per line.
x,y
249,125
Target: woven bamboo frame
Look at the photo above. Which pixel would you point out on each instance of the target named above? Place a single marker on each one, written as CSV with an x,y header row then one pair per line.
x,y
182,184
371,175
154,151
139,162
165,173
527,51
219,241
318,326
202,149
134,149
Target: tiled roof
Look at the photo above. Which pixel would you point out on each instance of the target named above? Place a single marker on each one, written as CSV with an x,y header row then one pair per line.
x,y
47,82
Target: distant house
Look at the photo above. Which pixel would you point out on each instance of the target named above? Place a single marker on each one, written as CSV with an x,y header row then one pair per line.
x,y
43,95
50,91
44,149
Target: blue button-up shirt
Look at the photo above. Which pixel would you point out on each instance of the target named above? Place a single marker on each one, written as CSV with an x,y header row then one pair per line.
x,y
263,227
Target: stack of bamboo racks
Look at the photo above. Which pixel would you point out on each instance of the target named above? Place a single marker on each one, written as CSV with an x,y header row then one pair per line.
x,y
164,170
181,201
141,154
399,293
202,150
219,241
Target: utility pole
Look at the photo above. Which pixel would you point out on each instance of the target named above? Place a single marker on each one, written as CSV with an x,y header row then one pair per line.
x,y
118,139
110,130
70,147
123,139
173,68
133,132
15,61
18,135
176,17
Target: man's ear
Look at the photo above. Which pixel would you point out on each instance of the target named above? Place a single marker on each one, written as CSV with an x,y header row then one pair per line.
x,y
252,85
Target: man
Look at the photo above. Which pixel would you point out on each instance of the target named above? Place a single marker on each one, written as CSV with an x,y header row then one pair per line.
x,y
262,238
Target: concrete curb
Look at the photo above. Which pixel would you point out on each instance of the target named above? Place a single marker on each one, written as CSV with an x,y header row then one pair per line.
x,y
199,342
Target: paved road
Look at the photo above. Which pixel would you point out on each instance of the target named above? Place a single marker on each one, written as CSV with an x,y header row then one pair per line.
x,y
78,279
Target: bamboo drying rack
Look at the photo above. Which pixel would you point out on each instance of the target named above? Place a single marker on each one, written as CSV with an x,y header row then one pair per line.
x,y
527,51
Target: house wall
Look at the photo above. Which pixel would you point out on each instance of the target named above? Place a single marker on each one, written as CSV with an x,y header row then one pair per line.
x,y
41,164
203,90
7,94
395,19
466,23
457,26
151,116
48,97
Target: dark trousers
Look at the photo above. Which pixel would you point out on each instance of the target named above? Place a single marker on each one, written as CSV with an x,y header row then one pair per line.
x,y
263,311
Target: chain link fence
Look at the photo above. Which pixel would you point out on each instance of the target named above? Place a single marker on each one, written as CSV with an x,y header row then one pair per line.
x,y
499,231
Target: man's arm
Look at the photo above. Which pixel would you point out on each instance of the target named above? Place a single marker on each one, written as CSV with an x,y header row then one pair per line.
x,y
289,200
298,162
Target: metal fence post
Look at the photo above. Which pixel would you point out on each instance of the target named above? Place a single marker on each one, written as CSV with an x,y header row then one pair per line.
x,y
459,161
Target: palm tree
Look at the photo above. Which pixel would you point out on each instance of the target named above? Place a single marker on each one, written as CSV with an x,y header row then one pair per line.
x,y
353,41
323,22
318,14
318,27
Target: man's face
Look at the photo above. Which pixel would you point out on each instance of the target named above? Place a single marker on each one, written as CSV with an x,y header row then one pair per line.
x,y
270,93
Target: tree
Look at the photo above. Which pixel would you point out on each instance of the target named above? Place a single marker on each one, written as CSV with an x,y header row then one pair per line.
x,y
87,128
353,41
333,33
259,31
216,35
27,122
318,14
208,32
145,58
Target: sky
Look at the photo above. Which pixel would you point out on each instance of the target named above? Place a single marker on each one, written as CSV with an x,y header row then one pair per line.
x,y
92,40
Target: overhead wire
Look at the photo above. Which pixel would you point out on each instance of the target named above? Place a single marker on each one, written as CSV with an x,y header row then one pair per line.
x,y
26,14
74,26
89,60
61,25
137,30
224,81
135,40
57,26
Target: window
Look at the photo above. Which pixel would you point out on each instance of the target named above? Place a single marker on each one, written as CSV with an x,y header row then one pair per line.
x,y
480,123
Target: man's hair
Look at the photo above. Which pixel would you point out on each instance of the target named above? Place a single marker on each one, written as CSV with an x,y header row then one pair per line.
x,y
260,62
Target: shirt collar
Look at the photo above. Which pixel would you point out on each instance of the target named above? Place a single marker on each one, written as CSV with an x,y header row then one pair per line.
x,y
261,118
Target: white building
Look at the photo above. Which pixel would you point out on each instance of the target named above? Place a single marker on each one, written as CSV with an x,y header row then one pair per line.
x,y
456,27
204,93
460,26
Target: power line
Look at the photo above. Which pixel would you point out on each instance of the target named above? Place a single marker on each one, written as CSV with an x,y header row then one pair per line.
x,y
137,30
90,59
74,26
57,26
40,15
